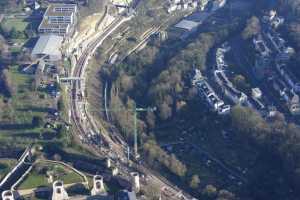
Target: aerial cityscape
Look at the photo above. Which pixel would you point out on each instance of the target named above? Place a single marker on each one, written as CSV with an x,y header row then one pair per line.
x,y
149,99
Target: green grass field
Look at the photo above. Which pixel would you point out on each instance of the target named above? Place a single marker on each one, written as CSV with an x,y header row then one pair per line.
x,y
5,166
18,24
18,111
36,178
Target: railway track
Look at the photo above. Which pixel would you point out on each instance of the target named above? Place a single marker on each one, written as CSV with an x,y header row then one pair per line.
x,y
112,145
90,126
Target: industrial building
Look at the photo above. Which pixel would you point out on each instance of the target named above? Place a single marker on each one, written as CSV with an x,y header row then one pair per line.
x,y
59,19
48,47
187,25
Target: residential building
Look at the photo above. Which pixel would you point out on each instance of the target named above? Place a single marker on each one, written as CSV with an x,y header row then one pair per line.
x,y
287,76
174,5
217,4
289,96
263,58
256,93
293,103
59,19
262,67
236,96
273,19
208,94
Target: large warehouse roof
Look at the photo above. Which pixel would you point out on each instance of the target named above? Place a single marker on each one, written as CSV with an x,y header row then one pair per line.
x,y
48,45
187,24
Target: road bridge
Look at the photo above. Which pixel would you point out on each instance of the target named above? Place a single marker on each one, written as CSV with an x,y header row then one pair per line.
x,y
13,176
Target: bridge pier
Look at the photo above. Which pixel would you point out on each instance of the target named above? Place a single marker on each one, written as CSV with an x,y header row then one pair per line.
x,y
59,192
8,195
98,186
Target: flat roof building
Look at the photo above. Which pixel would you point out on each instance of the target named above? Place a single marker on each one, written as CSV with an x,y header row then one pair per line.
x,y
187,25
49,47
59,19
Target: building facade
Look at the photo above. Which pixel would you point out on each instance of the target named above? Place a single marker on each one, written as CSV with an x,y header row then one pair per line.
x,y
59,19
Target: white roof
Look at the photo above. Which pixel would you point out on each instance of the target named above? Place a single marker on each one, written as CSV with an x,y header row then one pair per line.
x,y
187,24
48,45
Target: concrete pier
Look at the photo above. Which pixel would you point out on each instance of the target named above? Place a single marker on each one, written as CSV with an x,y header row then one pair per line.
x,y
98,186
59,192
136,181
7,195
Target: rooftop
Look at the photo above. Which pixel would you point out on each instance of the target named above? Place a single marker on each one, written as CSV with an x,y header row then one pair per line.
x,y
187,24
60,9
45,24
48,45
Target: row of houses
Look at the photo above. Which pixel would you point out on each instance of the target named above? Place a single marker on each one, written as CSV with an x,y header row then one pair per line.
x,y
273,19
174,5
283,80
227,87
235,96
272,55
270,47
288,96
207,93
292,82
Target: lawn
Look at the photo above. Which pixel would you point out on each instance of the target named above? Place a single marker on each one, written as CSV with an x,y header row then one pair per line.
x,y
18,111
34,180
18,24
5,166
38,175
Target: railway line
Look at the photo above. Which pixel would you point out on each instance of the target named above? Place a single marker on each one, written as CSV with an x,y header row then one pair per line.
x,y
111,144
82,120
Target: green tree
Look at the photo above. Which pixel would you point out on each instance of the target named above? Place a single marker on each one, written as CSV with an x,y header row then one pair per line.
x,y
225,195
13,33
37,121
252,28
209,192
241,83
150,118
60,104
165,111
9,88
195,181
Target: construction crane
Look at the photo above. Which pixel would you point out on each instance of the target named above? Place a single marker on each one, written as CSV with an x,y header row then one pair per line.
x,y
135,112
